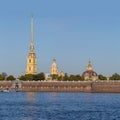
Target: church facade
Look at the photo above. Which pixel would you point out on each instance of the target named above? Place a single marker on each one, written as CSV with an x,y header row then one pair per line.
x,y
31,59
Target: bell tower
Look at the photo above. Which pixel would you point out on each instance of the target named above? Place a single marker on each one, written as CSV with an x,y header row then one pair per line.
x,y
54,68
31,59
89,67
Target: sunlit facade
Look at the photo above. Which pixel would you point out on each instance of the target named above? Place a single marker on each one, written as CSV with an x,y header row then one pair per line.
x,y
31,60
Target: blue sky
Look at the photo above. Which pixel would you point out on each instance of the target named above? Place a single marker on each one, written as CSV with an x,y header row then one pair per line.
x,y
72,31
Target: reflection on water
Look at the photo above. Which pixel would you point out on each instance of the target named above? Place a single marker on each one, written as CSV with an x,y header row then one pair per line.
x,y
30,107
59,106
31,96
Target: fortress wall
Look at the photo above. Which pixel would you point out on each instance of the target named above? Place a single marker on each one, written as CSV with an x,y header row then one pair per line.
x,y
106,87
56,86
64,86
5,85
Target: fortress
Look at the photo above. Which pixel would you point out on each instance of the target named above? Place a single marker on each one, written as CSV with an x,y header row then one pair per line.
x,y
89,74
90,83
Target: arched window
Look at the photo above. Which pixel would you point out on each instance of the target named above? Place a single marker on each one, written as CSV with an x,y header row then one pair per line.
x,y
29,60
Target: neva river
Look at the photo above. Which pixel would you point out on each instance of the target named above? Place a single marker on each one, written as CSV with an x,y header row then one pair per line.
x,y
59,106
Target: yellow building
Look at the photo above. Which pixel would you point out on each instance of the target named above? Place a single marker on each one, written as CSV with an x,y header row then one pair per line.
x,y
54,68
62,74
89,74
31,60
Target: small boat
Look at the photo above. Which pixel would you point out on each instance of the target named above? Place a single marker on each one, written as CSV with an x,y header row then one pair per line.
x,y
5,91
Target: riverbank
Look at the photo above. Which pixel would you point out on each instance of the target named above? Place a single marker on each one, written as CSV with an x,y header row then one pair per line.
x,y
62,86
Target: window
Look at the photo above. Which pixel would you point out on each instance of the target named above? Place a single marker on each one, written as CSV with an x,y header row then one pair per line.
x,y
29,60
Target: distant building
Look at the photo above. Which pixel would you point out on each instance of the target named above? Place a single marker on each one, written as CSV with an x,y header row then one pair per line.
x,y
54,73
62,74
48,76
89,74
31,60
54,68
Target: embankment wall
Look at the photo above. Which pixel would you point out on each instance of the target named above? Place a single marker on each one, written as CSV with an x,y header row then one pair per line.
x,y
63,86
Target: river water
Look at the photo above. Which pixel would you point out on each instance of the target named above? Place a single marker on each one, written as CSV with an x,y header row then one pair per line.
x,y
59,106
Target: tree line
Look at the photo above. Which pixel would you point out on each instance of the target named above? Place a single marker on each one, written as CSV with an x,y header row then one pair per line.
x,y
41,76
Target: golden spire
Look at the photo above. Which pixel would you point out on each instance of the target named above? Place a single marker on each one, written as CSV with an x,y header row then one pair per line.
x,y
31,60
32,36
89,67
32,31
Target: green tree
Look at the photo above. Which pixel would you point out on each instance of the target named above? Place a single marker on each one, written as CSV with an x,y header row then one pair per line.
x,y
4,74
115,77
101,77
75,77
22,77
72,77
26,77
29,77
78,77
66,77
10,77
2,77
39,76
54,77
60,78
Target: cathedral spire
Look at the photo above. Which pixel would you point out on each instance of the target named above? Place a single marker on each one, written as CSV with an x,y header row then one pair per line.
x,y
32,31
31,60
32,36
89,67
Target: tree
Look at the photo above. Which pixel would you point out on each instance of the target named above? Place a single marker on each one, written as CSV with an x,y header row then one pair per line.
x,y
4,74
72,77
115,77
75,77
22,77
26,77
29,77
2,77
66,77
54,77
39,76
78,77
60,78
101,77
10,77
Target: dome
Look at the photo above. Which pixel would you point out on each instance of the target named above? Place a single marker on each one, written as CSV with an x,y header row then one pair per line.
x,y
89,74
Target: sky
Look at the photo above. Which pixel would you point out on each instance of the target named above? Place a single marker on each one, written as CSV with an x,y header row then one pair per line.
x,y
72,31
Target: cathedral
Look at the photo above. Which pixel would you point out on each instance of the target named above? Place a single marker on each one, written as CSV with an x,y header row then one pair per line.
x,y
89,74
31,59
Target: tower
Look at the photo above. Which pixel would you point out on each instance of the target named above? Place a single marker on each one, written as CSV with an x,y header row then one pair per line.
x,y
31,59
89,67
54,68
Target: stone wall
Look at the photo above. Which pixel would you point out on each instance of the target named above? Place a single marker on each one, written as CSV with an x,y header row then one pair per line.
x,y
106,87
64,86
56,86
